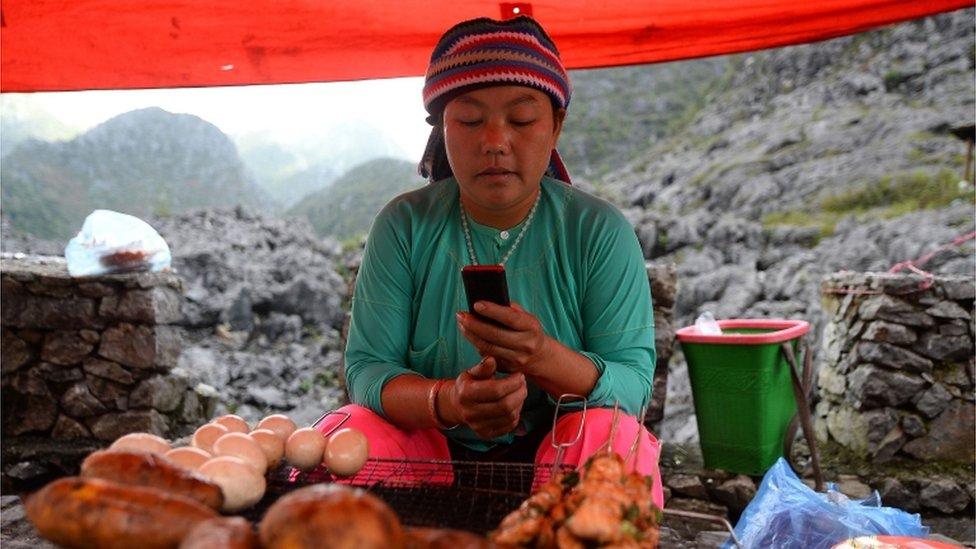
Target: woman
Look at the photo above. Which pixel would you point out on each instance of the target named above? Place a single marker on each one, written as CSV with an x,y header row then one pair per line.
x,y
428,379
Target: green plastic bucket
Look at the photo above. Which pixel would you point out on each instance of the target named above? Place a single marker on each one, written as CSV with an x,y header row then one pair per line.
x,y
742,390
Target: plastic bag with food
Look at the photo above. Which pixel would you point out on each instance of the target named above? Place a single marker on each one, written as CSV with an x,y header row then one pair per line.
x,y
112,242
788,514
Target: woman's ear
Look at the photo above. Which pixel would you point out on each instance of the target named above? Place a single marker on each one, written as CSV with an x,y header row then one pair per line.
x,y
558,116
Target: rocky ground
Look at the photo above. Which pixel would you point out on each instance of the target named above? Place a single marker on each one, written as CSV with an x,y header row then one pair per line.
x,y
263,313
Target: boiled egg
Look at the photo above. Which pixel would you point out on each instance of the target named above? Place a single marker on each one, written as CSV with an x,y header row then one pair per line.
x,y
304,448
272,445
141,442
206,435
281,424
234,424
243,446
188,457
346,452
241,484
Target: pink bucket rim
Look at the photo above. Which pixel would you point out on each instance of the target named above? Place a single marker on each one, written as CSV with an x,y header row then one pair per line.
x,y
782,330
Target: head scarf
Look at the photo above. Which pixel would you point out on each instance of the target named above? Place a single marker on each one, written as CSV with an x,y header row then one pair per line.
x,y
483,52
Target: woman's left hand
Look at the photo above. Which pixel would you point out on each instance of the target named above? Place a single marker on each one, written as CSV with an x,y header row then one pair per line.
x,y
516,341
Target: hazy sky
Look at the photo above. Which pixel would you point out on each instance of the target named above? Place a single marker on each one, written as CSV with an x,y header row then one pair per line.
x,y
291,113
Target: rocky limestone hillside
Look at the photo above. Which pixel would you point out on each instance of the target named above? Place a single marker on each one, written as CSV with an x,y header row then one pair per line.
x,y
807,164
616,113
143,162
263,310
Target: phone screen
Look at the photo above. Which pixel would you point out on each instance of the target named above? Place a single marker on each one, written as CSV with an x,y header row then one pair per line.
x,y
485,283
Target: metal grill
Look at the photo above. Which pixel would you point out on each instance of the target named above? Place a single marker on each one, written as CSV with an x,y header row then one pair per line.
x,y
466,495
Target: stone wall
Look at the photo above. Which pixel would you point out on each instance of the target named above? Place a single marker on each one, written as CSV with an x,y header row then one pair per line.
x,y
896,383
897,377
663,279
86,360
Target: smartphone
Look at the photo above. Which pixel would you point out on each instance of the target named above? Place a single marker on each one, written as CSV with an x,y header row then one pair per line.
x,y
485,283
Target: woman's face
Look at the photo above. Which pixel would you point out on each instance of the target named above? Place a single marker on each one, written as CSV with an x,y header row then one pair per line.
x,y
499,141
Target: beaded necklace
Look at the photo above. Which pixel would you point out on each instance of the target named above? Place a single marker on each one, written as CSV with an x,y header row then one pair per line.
x,y
518,239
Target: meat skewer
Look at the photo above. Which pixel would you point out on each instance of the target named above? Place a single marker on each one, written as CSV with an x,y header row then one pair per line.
x,y
600,504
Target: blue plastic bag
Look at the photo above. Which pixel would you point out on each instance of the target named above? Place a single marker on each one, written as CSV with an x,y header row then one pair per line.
x,y
112,242
787,513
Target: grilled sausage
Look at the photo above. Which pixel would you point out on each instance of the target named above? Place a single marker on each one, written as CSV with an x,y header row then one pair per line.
x,y
348,518
153,471
221,533
94,513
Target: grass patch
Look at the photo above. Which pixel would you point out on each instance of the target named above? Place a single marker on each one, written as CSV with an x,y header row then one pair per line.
x,y
888,197
901,193
823,221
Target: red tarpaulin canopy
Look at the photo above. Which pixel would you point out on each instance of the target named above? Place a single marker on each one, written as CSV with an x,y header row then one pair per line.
x,y
48,45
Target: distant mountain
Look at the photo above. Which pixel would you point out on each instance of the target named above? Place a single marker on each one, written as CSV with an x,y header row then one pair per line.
x,y
283,172
143,162
274,165
293,188
291,169
21,120
267,159
346,208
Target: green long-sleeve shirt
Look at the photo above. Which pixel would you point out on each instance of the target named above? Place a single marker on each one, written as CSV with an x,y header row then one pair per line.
x,y
578,268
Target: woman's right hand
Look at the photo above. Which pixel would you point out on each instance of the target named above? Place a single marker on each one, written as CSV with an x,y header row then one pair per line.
x,y
490,406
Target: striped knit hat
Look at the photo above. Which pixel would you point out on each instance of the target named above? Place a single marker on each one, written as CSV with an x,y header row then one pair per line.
x,y
483,52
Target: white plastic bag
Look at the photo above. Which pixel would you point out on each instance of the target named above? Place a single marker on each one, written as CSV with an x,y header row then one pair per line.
x,y
707,325
113,242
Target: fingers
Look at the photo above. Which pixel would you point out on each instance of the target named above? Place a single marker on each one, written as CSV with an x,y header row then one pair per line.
x,y
513,316
492,429
513,350
491,407
475,391
484,369
488,349
496,419
491,336
506,405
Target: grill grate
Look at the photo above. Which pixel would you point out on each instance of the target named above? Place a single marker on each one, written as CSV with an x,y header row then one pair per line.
x,y
467,495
